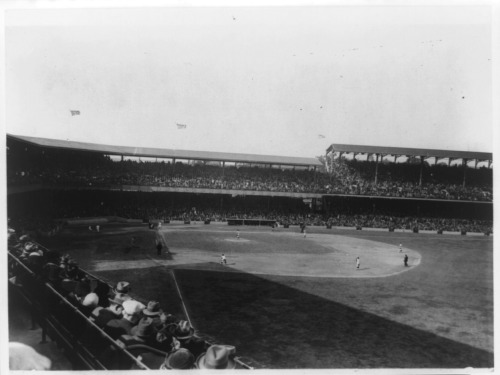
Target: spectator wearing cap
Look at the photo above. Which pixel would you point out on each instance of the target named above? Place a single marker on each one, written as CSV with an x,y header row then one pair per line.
x,y
184,332
123,326
217,357
181,359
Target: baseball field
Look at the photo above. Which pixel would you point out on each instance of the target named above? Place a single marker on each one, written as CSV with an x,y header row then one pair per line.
x,y
289,301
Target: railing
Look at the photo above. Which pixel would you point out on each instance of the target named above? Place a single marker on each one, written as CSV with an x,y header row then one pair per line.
x,y
89,348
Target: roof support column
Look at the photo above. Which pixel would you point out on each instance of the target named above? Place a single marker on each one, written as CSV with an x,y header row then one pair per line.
x,y
489,164
464,164
122,158
376,169
223,167
421,170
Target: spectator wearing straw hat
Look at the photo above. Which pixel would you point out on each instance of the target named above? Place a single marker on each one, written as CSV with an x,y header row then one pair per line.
x,y
217,357
181,359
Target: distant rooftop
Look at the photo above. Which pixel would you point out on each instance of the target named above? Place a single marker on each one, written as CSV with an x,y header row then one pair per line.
x,y
167,153
404,151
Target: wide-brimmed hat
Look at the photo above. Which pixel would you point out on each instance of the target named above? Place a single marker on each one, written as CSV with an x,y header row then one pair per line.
x,y
122,287
181,359
153,309
181,330
217,357
144,328
132,307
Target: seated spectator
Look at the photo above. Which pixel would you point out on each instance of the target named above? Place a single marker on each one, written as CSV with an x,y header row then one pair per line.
x,y
217,357
73,271
123,326
121,291
184,333
102,315
145,333
89,303
153,311
181,359
102,290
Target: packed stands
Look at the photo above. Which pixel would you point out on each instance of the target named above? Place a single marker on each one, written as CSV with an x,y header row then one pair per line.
x,y
30,165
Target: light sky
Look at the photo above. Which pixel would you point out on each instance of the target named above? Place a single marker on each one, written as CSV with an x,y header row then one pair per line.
x,y
263,80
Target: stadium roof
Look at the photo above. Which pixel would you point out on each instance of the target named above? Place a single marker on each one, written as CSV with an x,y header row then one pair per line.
x,y
410,152
167,153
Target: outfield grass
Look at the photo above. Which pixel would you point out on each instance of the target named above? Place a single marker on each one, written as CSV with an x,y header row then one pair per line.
x,y
436,315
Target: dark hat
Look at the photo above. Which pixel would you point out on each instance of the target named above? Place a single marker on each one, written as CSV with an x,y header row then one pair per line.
x,y
181,359
153,309
144,328
181,330
122,287
217,357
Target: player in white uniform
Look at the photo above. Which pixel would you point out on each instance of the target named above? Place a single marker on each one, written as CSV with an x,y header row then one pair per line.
x,y
400,248
358,263
223,259
238,234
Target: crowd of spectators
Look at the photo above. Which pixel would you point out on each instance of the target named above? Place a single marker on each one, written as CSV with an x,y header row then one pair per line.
x,y
350,177
162,340
403,180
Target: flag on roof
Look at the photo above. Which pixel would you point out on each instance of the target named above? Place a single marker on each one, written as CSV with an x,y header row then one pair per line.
x,y
74,113
181,126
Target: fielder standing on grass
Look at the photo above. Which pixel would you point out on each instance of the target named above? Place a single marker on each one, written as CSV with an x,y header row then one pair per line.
x,y
358,263
159,246
400,248
223,260
237,235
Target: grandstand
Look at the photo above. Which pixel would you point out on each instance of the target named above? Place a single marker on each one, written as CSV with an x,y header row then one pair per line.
x,y
57,189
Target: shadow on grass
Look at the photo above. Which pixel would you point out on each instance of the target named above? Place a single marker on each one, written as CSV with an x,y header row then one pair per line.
x,y
281,327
